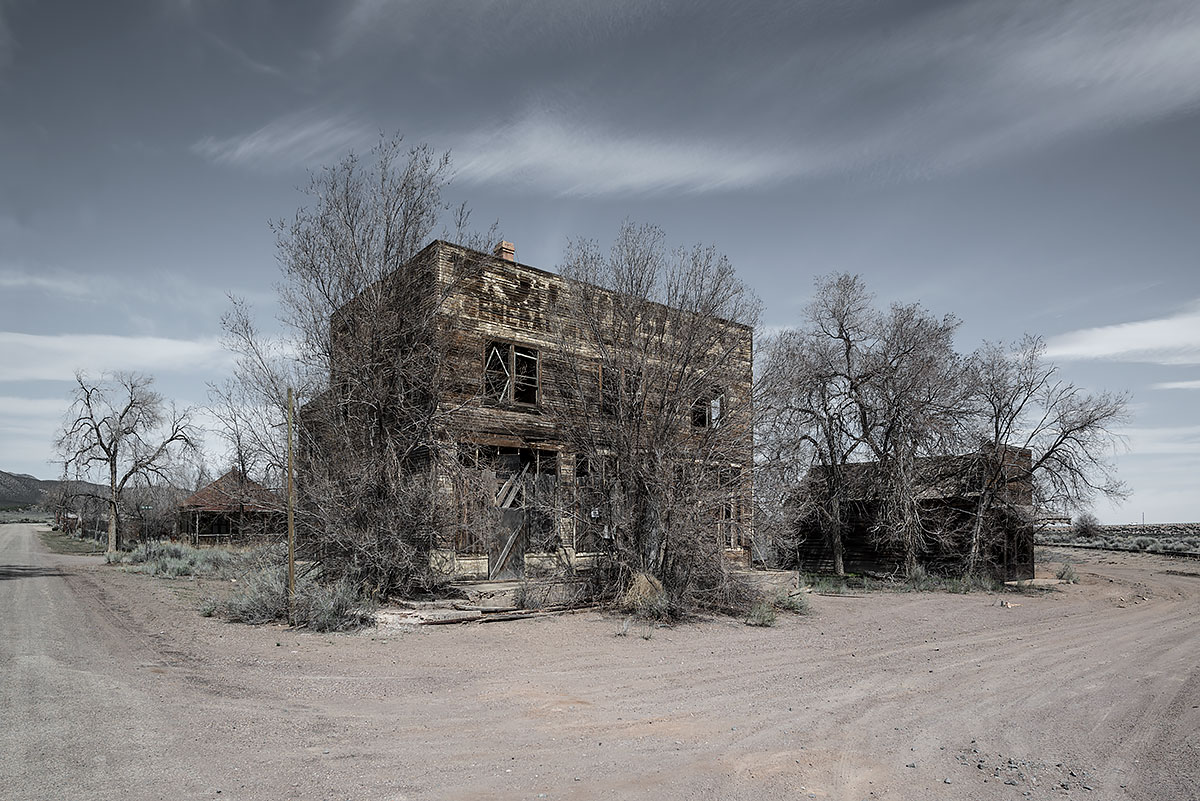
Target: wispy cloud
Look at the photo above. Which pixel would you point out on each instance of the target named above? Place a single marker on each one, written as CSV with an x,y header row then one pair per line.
x,y
61,284
12,406
1031,73
33,357
168,289
935,89
546,152
241,57
1146,441
1171,340
1177,385
297,140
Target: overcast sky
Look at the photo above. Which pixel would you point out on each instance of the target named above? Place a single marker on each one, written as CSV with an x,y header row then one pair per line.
x,y
1029,166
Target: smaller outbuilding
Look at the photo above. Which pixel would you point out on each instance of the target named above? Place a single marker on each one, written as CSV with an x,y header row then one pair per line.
x,y
232,509
947,496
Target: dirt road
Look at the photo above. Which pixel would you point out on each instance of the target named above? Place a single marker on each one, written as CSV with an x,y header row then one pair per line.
x,y
113,687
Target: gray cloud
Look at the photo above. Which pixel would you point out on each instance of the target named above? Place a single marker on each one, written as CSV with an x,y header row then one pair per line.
x,y
8,44
939,90
1177,385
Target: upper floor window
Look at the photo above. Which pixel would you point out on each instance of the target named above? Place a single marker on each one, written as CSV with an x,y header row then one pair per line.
x,y
619,386
706,411
510,373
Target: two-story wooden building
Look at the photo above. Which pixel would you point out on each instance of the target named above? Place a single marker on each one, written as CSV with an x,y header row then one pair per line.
x,y
527,400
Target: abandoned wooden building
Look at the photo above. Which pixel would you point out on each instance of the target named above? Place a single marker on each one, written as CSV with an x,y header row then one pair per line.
x,y
948,501
512,375
232,509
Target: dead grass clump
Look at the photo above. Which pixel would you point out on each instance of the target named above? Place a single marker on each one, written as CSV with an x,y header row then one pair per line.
x,y
761,614
795,602
263,598
166,559
333,607
1067,573
645,597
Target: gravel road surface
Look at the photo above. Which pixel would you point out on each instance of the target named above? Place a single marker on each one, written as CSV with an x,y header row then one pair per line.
x,y
113,687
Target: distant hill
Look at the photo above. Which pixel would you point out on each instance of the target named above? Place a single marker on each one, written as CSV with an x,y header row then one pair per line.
x,y
19,489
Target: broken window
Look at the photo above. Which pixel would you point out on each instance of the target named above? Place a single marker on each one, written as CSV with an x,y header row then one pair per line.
x,y
496,376
706,411
510,373
731,522
525,375
730,507
619,385
610,390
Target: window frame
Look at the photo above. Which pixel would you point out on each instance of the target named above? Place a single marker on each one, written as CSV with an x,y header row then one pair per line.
x,y
628,384
515,383
708,410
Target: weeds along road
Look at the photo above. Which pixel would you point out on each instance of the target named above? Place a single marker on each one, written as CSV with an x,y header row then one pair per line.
x,y
114,687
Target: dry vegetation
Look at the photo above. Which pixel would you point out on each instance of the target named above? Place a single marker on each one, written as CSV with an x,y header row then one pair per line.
x,y
1181,539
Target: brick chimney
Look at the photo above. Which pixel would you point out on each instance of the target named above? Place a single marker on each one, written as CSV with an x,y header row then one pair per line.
x,y
506,251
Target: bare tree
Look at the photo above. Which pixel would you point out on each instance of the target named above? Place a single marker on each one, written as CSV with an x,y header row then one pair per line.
x,y
910,411
659,341
810,407
120,429
887,415
857,384
1021,403
360,348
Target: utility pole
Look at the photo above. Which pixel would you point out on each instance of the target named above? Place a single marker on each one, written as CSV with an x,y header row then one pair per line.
x,y
291,518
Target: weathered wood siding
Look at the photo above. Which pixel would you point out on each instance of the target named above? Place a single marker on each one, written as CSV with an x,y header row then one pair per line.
x,y
477,299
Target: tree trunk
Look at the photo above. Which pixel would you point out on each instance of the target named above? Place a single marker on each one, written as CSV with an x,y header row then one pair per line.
x,y
839,565
834,537
975,552
113,540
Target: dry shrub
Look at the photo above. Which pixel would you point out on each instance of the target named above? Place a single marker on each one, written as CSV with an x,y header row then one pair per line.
x,y
646,597
796,602
761,614
1086,526
263,598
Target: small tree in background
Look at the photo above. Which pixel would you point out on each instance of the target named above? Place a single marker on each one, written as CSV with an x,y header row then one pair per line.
x,y
856,384
121,432
1086,526
1020,401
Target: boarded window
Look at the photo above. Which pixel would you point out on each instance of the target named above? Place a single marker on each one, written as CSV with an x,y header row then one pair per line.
x,y
510,373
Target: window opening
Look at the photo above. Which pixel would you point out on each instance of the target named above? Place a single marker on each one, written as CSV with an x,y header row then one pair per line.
x,y
496,376
706,411
510,374
617,385
525,385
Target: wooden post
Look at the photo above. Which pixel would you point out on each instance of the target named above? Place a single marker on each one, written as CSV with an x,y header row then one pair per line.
x,y
291,518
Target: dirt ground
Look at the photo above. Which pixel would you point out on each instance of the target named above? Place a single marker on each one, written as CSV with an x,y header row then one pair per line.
x,y
112,686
